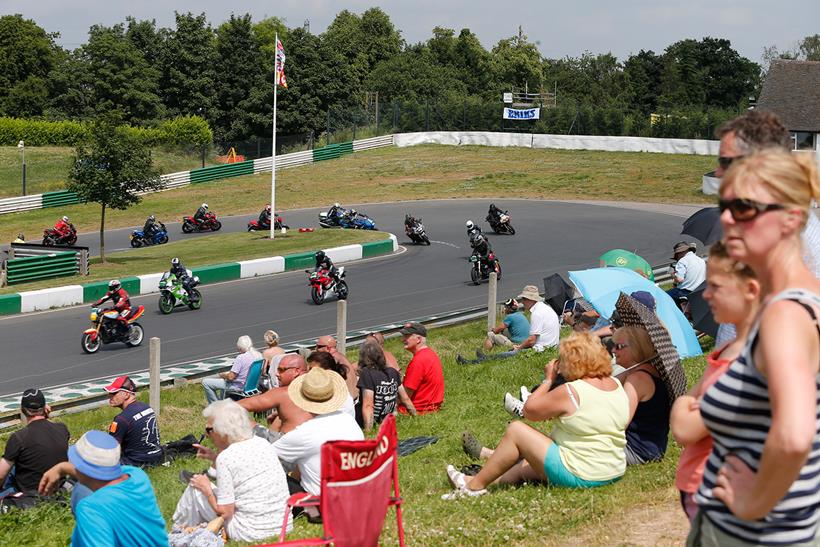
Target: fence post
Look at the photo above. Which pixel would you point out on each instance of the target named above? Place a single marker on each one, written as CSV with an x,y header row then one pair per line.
x,y
491,300
341,326
153,375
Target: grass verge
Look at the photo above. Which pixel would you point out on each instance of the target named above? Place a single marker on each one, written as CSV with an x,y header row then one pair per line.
x,y
203,251
418,172
524,515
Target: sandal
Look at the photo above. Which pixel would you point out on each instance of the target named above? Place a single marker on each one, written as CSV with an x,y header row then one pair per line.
x,y
459,481
472,447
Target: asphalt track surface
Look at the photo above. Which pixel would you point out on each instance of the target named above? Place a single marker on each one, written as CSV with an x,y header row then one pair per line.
x,y
43,349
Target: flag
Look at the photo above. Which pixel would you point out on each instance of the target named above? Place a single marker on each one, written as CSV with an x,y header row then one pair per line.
x,y
280,64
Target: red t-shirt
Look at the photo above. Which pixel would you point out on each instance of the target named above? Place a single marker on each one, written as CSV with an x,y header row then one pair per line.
x,y
425,376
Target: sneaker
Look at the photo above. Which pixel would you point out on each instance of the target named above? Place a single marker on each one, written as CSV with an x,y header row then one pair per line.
x,y
525,394
459,481
513,405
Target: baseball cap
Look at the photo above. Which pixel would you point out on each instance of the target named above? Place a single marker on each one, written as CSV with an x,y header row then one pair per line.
x,y
645,298
97,455
33,399
121,383
413,328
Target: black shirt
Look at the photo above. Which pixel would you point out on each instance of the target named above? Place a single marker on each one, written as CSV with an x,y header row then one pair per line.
x,y
135,428
385,387
34,450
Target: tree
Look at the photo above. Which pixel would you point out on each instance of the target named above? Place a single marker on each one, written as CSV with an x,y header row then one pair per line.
x,y
643,81
187,84
27,56
112,170
518,63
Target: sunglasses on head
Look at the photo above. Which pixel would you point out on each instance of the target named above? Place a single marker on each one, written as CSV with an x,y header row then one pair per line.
x,y
725,162
746,209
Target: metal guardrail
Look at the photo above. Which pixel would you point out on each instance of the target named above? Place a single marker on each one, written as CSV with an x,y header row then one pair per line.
x,y
32,268
373,142
22,203
24,250
662,273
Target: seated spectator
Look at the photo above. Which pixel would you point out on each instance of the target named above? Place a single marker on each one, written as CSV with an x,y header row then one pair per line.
x,y
272,354
514,322
135,428
34,449
586,446
733,294
326,361
251,490
121,509
322,393
379,387
424,379
328,344
285,416
234,379
689,271
389,358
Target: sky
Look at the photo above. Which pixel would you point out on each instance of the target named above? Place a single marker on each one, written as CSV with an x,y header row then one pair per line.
x,y
561,29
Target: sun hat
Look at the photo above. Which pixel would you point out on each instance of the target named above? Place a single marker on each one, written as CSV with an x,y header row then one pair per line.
x,y
666,360
121,383
530,292
413,328
97,455
683,246
319,391
33,399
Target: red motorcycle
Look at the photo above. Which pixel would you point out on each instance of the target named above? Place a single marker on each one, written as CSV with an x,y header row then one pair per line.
x,y
52,237
322,283
209,224
254,225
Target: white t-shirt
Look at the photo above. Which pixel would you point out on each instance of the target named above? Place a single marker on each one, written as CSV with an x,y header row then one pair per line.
x,y
302,446
811,244
692,269
249,475
544,325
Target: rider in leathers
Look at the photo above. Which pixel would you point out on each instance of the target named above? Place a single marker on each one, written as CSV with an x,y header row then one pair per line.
x,y
323,262
264,217
122,304
199,216
334,214
150,228
481,248
181,273
63,228
494,215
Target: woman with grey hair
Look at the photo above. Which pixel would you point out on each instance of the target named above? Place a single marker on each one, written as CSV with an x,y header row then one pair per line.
x,y
234,379
250,491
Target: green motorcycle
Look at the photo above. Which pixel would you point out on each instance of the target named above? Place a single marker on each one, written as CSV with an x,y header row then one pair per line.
x,y
173,294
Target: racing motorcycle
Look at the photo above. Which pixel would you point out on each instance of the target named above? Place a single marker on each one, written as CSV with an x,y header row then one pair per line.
x,y
480,268
415,230
51,237
160,236
106,328
501,223
209,224
322,283
350,219
173,294
254,225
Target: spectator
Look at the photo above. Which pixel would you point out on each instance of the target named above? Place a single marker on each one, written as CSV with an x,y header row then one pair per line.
x,y
285,415
251,490
121,509
322,393
34,449
272,354
379,387
424,379
690,271
389,358
586,446
234,379
733,293
135,428
326,361
760,483
514,323
328,344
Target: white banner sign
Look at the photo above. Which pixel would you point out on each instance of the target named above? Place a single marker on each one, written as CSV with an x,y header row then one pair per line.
x,y
522,114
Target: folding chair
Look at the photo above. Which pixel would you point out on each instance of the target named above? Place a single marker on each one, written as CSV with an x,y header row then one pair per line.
x,y
251,383
355,491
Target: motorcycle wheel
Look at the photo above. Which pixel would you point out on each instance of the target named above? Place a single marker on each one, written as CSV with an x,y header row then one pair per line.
x,y
136,242
426,239
71,241
475,276
217,226
316,296
341,290
166,303
89,345
163,239
47,242
197,303
187,227
250,228
137,334
510,230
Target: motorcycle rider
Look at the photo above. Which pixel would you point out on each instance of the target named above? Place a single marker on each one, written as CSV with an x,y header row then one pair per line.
x,y
323,262
63,228
181,273
494,215
264,217
199,216
122,304
335,213
481,249
20,238
410,223
150,228
472,230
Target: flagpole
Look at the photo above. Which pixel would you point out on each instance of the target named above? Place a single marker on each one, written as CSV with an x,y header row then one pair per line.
x,y
273,146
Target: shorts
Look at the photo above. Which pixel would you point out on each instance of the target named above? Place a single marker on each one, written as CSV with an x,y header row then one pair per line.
x,y
559,475
499,339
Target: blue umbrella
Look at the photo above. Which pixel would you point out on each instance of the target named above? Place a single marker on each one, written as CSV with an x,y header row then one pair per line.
x,y
601,287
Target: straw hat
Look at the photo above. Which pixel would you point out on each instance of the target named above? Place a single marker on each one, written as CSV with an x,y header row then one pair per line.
x,y
319,391
530,292
666,360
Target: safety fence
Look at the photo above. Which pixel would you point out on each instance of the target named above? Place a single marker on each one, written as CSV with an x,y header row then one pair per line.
x,y
33,268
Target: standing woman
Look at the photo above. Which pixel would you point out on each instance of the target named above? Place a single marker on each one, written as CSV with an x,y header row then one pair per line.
x,y
761,483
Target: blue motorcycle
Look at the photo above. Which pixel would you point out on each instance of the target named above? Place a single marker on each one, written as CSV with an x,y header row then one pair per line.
x,y
349,219
138,237
359,221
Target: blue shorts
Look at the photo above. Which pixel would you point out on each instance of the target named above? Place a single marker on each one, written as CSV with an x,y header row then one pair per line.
x,y
559,475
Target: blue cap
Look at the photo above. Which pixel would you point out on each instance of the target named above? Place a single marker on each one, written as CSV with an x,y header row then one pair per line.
x,y
97,455
645,298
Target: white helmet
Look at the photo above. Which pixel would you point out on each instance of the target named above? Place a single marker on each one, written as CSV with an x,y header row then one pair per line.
x,y
470,225
204,205
336,204
65,219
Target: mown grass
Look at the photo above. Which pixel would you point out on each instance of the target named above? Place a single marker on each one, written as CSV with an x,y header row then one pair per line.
x,y
419,172
203,251
525,515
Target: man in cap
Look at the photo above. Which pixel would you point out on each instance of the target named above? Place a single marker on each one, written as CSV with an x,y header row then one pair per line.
x,y
135,428
514,323
424,379
690,270
321,393
33,450
122,507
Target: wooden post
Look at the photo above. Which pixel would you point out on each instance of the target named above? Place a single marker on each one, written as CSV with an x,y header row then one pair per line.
x,y
153,374
341,326
491,300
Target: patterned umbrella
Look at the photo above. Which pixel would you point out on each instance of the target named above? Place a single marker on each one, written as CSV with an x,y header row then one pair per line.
x,y
626,259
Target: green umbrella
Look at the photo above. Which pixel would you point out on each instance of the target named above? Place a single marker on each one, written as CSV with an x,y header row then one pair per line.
x,y
626,259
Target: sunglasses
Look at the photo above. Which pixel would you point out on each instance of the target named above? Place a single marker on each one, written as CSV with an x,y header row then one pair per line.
x,y
320,346
620,346
209,430
746,209
282,370
725,162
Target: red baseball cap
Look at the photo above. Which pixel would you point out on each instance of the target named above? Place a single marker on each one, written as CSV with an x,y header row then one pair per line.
x,y
122,383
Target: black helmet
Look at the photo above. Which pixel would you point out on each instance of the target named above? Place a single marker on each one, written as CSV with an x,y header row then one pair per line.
x,y
319,256
114,285
175,261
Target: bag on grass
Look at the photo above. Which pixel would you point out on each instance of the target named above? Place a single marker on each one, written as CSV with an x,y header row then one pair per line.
x,y
182,447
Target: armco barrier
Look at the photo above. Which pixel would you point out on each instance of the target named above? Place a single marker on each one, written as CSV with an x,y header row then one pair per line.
x,y
97,289
376,248
299,261
207,174
10,304
56,264
218,272
23,203
332,151
60,198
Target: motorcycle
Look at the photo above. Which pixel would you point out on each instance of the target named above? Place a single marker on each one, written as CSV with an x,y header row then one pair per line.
x,y
173,294
254,225
350,219
106,328
209,224
51,237
501,224
322,283
160,236
415,231
480,269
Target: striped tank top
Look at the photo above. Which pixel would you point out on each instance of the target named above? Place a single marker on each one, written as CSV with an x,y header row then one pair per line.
x,y
737,412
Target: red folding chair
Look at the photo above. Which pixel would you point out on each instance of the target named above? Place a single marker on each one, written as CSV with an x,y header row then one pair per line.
x,y
355,491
